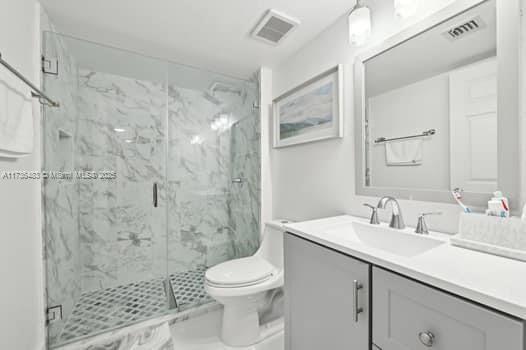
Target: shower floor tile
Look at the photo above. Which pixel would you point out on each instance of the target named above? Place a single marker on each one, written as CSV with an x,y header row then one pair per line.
x,y
111,308
189,287
115,307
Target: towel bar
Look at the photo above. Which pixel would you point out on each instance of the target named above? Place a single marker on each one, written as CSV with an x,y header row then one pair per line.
x,y
36,91
429,132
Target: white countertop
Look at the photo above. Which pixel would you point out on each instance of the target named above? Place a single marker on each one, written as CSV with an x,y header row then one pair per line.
x,y
497,282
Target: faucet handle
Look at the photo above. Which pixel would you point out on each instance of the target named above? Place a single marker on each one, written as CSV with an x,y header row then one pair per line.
x,y
421,227
374,214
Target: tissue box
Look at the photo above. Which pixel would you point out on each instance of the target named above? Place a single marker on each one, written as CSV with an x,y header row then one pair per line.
x,y
494,235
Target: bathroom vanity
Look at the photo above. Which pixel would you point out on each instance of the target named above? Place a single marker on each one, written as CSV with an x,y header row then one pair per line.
x,y
352,285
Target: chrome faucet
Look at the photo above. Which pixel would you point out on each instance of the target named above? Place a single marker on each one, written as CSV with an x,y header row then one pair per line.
x,y
397,221
374,214
421,227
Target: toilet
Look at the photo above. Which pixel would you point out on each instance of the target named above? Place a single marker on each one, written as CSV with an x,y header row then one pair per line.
x,y
243,286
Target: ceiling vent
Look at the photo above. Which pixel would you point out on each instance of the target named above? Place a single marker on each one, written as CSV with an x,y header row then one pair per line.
x,y
460,31
274,27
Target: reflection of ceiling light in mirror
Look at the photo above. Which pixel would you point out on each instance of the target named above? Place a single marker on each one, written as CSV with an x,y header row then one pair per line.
x,y
196,140
119,130
405,8
128,141
359,24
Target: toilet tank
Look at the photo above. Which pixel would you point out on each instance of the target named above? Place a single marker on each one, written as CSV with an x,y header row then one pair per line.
x,y
271,248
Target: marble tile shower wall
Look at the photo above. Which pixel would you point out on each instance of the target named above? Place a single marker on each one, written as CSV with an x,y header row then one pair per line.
x,y
60,196
244,202
125,239
201,165
121,128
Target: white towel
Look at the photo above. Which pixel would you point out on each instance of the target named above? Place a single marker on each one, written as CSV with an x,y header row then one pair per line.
x,y
16,117
404,152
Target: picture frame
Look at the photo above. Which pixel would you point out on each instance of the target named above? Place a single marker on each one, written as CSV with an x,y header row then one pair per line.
x,y
312,111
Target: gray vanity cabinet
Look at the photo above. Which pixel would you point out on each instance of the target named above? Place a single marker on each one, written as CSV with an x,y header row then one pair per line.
x,y
326,298
408,315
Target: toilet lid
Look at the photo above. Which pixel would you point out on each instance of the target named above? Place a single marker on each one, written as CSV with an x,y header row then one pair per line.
x,y
245,271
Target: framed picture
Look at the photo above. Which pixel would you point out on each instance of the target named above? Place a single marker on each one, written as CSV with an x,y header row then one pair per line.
x,y
310,112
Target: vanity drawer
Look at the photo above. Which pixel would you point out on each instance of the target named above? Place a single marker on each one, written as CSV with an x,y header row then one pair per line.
x,y
409,316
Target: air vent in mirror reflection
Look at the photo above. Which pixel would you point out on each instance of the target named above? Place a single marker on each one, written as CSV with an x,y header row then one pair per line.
x,y
460,31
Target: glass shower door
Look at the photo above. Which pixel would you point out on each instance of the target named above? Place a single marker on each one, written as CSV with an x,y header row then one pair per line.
x,y
164,162
105,230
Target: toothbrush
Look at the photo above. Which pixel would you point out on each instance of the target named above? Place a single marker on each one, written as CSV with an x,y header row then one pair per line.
x,y
457,194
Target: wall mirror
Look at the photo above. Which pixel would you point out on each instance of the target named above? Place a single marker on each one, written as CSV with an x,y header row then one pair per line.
x,y
437,107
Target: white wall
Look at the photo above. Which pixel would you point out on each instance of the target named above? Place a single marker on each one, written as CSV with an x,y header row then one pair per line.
x,y
522,96
317,179
265,100
21,294
409,110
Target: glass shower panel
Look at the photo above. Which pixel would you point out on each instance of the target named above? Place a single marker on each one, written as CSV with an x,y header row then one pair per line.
x,y
114,255
105,239
212,176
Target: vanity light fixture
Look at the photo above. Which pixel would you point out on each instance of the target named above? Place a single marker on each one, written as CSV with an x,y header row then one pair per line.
x,y
359,24
405,8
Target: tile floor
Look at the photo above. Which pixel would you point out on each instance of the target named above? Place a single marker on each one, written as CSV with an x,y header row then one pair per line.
x,y
202,333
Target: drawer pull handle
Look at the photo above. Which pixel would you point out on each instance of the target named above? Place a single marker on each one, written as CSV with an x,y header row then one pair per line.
x,y
427,338
357,310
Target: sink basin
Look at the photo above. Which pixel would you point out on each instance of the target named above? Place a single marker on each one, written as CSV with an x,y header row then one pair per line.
x,y
399,242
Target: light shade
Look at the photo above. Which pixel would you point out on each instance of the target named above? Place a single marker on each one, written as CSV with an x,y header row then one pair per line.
x,y
359,25
405,8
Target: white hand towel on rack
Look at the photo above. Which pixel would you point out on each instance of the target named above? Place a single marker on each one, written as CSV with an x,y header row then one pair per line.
x,y
404,152
16,117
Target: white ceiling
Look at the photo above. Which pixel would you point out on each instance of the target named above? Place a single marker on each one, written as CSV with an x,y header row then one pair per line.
x,y
212,34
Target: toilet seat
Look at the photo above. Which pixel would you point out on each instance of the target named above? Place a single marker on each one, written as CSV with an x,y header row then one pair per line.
x,y
242,272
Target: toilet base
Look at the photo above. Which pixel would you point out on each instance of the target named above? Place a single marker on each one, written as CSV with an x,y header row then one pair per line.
x,y
241,320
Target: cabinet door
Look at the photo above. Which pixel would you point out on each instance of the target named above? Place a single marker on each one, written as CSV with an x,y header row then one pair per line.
x,y
410,316
319,298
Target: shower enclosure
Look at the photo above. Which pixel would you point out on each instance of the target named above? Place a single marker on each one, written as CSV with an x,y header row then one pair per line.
x,y
153,174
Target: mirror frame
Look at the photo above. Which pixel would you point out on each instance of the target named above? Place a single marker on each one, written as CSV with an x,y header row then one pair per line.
x,y
508,55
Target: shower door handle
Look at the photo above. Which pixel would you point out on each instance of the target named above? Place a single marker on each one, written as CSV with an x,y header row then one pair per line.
x,y
155,191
